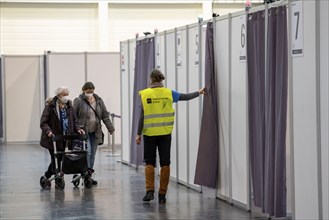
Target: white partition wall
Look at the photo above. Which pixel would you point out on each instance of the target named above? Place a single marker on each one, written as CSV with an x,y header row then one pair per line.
x,y
310,114
193,106
240,165
170,75
103,70
66,69
24,99
222,54
125,108
181,107
131,68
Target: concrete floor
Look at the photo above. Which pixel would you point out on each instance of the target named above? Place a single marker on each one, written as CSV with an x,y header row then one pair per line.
x,y
117,196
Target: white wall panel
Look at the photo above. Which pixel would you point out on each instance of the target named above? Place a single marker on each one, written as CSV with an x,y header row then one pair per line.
x,y
68,70
125,100
181,113
36,27
171,83
239,116
24,98
222,67
304,118
193,106
132,55
103,69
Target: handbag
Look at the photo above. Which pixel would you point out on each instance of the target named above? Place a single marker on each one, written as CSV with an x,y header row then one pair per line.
x,y
100,122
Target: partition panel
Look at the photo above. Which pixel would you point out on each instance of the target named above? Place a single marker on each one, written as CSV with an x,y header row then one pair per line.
x,y
171,84
23,101
103,69
222,59
239,115
132,54
182,106
66,69
125,100
194,114
324,92
161,63
305,121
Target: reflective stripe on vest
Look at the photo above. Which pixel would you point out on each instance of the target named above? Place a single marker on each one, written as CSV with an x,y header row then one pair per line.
x,y
159,115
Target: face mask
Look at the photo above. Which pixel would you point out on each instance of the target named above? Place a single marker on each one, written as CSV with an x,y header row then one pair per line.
x,y
64,99
89,94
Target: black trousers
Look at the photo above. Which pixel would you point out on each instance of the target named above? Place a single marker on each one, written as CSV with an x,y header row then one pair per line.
x,y
152,143
51,168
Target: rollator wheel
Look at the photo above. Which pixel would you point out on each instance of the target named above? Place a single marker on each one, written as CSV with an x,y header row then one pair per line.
x,y
60,182
76,182
87,182
44,182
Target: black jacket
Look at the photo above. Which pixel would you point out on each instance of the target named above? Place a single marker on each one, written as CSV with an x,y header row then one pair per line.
x,y
50,121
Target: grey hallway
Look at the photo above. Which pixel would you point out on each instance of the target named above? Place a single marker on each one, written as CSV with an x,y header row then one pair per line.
x,y
117,195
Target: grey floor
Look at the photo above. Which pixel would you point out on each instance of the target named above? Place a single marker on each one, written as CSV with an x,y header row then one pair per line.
x,y
117,196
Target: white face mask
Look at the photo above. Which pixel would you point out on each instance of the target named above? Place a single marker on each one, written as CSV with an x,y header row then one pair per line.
x,y
88,95
64,99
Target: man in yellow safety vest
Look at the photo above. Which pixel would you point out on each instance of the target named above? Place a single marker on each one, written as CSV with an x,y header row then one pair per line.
x,y
156,122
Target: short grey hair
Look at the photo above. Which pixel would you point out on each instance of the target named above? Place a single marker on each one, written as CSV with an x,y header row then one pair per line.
x,y
61,89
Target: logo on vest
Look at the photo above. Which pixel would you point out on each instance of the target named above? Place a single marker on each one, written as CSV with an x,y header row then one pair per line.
x,y
163,101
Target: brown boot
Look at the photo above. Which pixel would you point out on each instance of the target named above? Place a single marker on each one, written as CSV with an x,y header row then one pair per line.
x,y
164,181
149,182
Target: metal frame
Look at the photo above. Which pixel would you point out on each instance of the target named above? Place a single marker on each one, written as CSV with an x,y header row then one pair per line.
x,y
177,115
3,109
291,120
318,106
187,110
121,103
230,106
247,124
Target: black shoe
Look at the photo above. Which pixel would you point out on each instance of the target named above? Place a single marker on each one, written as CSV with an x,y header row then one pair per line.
x,y
162,198
93,182
149,196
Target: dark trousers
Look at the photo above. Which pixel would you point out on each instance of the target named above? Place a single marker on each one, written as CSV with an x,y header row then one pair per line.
x,y
152,143
51,168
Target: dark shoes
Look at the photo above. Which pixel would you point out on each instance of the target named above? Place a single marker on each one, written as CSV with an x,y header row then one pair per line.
x,y
162,198
149,196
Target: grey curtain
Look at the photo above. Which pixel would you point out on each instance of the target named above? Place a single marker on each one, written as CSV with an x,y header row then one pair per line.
x,y
256,82
207,159
276,114
144,63
1,102
268,109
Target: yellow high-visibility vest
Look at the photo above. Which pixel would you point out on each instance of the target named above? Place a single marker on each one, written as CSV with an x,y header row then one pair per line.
x,y
159,114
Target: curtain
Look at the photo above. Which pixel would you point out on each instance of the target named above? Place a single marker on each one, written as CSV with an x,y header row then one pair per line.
x,y
144,63
207,160
256,98
268,109
276,114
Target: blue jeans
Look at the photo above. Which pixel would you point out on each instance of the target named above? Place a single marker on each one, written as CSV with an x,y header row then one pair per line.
x,y
91,150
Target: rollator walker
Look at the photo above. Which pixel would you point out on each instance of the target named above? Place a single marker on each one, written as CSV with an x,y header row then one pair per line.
x,y
74,162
